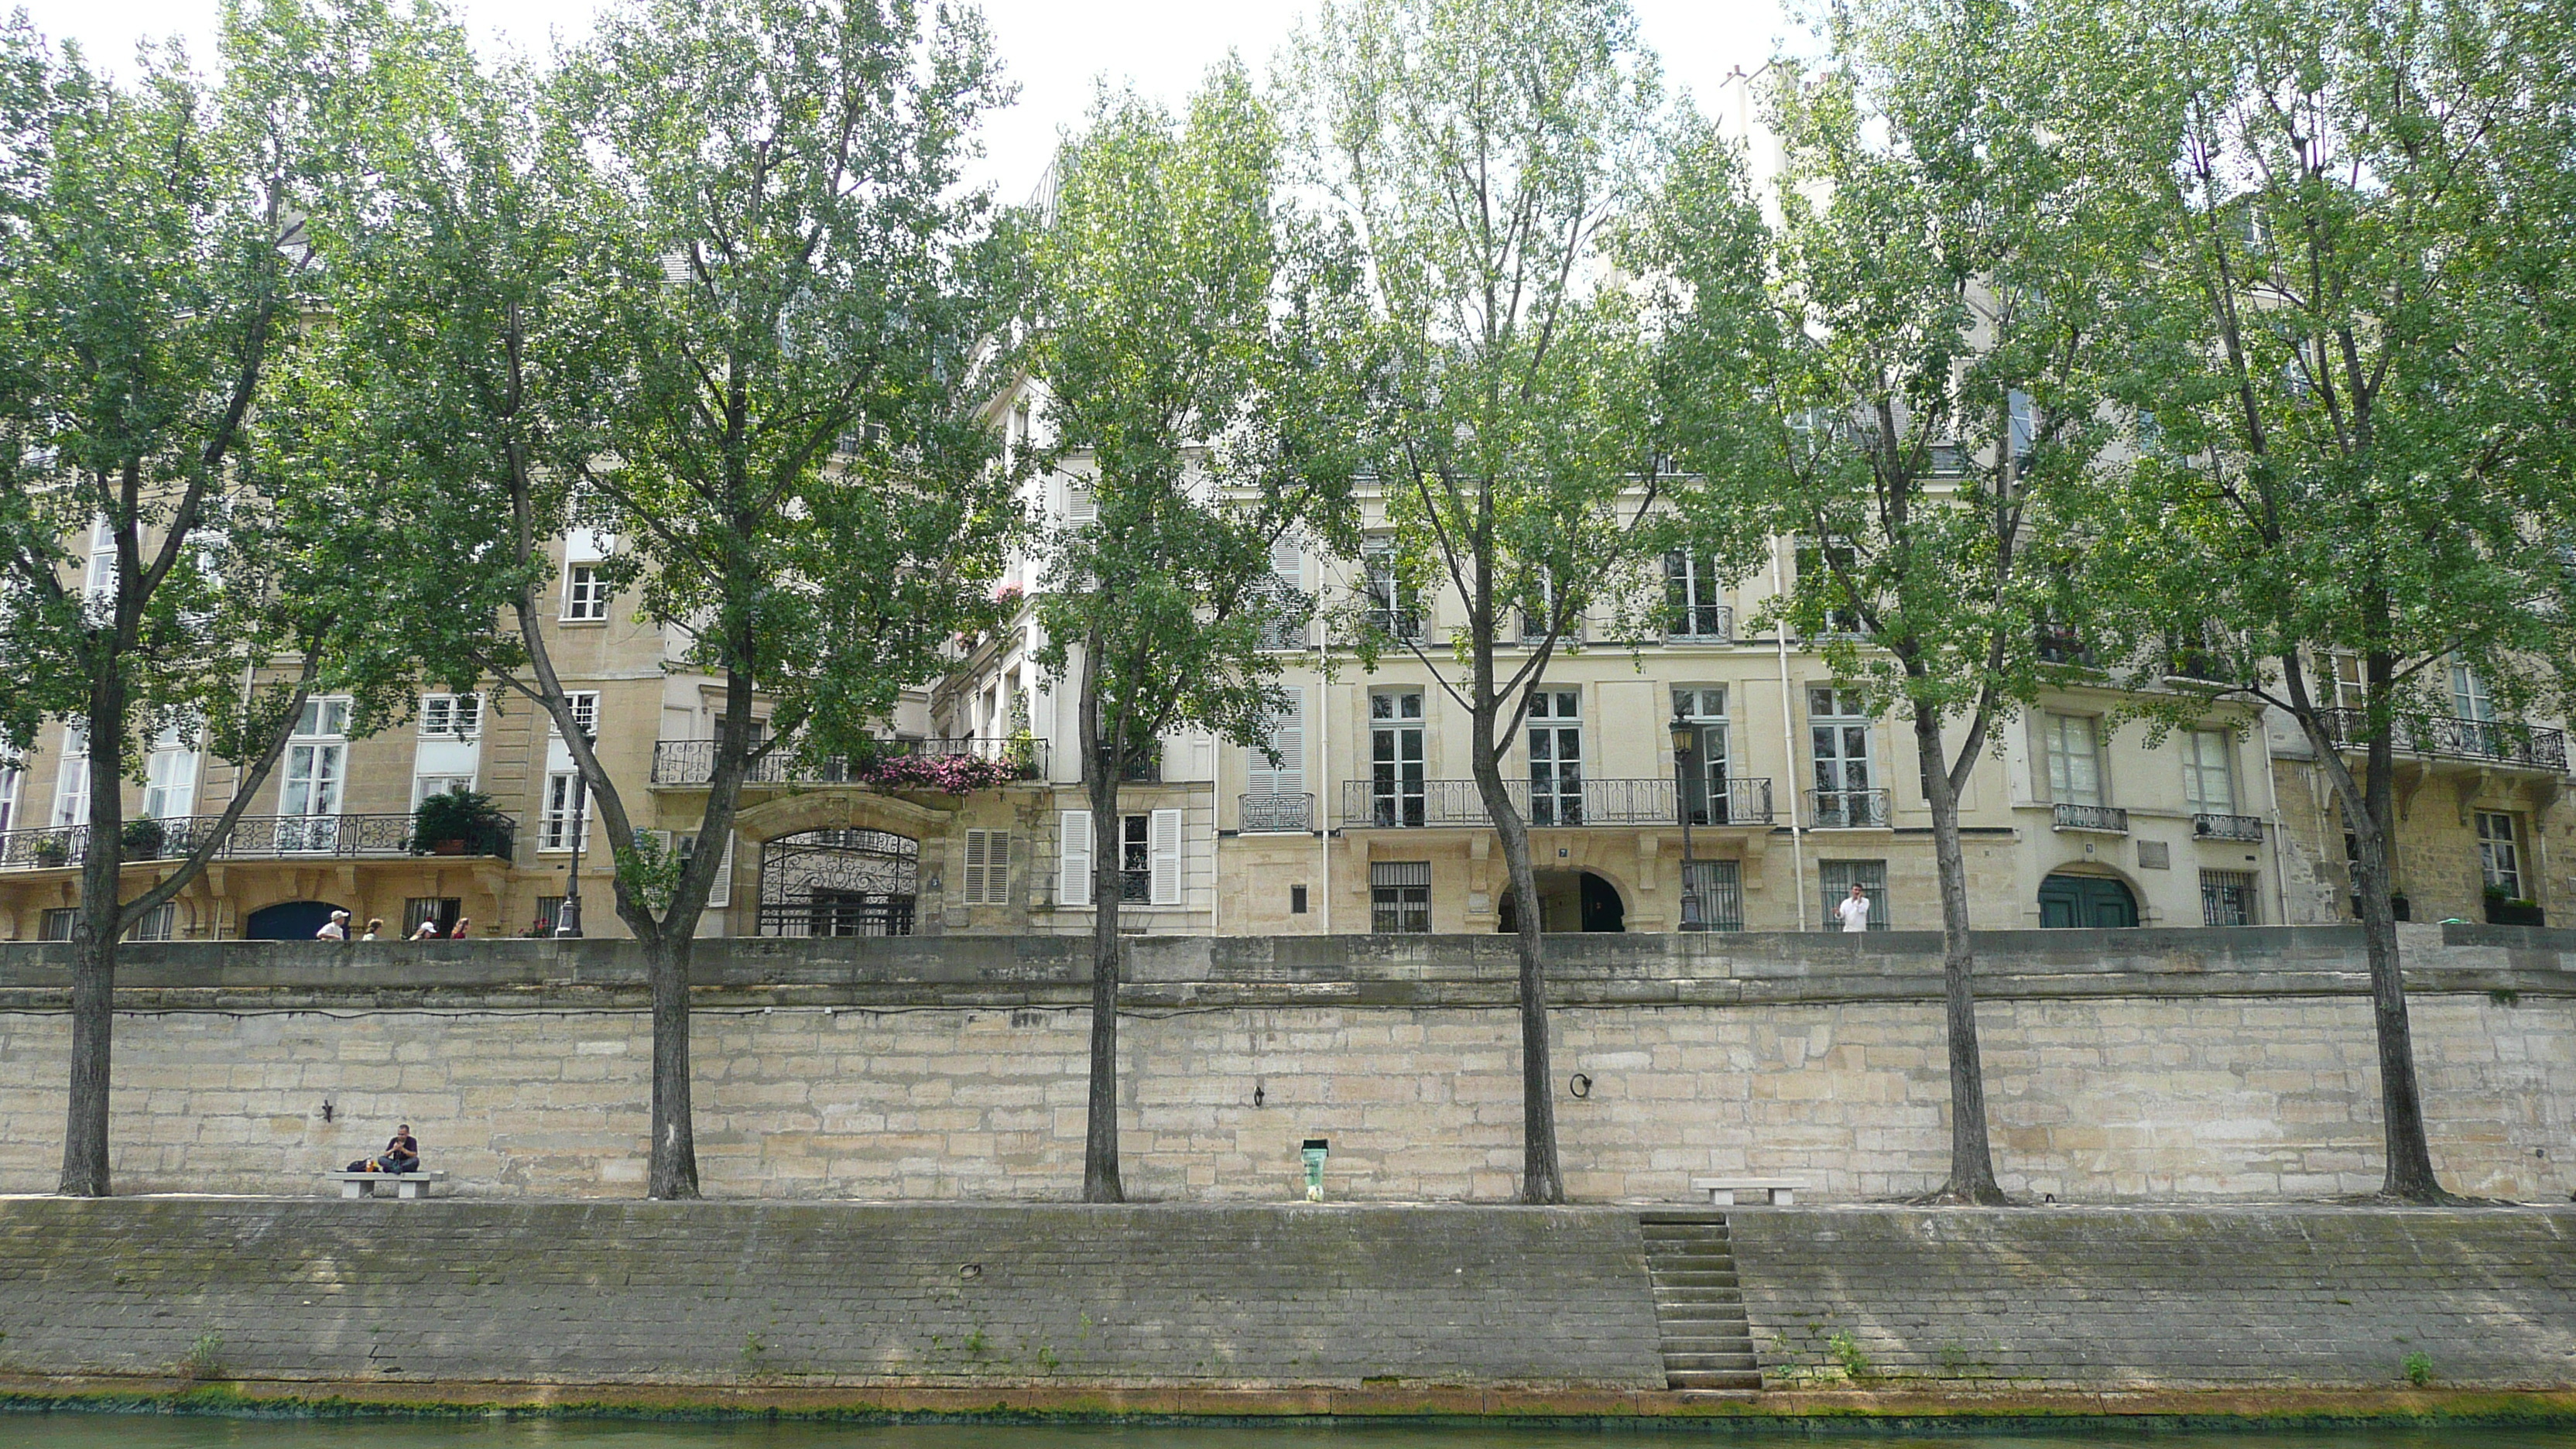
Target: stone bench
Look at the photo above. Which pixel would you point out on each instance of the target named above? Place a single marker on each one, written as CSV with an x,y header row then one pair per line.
x,y
405,1184
1777,1191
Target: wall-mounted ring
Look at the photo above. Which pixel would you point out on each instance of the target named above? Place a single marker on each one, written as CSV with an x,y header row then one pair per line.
x,y
1580,1085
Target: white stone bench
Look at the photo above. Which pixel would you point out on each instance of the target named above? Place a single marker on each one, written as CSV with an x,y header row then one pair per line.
x,y
405,1184
1777,1191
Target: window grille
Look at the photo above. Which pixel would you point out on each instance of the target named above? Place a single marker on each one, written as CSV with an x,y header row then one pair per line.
x,y
1400,897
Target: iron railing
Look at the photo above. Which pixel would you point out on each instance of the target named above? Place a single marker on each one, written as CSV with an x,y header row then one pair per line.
x,y
2106,819
693,762
1699,624
1847,809
1259,813
1395,805
2502,741
254,837
1736,801
2228,827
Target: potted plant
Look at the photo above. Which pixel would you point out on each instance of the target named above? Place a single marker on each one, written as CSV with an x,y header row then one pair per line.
x,y
454,823
52,849
143,837
2506,909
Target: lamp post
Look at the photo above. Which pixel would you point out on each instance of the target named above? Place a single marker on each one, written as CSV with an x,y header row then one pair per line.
x,y
568,915
1685,750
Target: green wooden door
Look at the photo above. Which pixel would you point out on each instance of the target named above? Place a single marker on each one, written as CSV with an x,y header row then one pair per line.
x,y
2084,900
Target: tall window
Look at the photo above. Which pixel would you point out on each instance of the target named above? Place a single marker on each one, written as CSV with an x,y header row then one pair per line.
x,y
1393,608
1556,757
2500,854
1832,565
2208,781
1400,897
1837,877
1395,757
585,594
9,778
2469,701
156,924
1287,578
2023,428
170,774
1538,612
1838,732
2227,898
99,585
1704,792
444,910
445,758
1694,598
556,831
317,766
57,923
1288,738
2074,759
1712,896
71,781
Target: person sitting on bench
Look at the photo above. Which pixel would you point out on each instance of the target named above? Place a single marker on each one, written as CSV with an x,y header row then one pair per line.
x,y
401,1154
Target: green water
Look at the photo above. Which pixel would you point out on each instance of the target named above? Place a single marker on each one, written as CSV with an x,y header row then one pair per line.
x,y
135,1431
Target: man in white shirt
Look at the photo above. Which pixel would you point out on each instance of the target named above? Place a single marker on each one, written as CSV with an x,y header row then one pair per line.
x,y
334,929
1854,910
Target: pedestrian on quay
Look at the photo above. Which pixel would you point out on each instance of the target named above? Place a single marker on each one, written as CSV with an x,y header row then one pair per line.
x,y
1855,909
374,925
334,929
428,930
459,933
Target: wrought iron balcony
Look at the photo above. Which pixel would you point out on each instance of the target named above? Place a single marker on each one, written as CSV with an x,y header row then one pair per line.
x,y
2503,742
1367,804
2227,827
693,762
1699,624
1745,801
256,837
1276,813
1847,809
2101,819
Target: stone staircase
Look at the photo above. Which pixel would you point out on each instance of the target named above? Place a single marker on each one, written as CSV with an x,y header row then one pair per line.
x,y
1700,1309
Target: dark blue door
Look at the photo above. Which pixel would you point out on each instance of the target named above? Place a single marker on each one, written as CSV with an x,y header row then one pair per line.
x,y
287,921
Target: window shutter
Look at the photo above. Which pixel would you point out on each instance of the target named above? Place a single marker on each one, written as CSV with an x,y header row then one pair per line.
x,y
971,879
720,891
988,867
1288,733
1164,840
1073,854
1079,504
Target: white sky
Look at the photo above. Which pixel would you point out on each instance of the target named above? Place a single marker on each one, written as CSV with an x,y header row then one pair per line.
x,y
1053,49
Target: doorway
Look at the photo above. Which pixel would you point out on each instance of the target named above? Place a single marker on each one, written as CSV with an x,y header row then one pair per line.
x,y
1569,901
287,921
2085,901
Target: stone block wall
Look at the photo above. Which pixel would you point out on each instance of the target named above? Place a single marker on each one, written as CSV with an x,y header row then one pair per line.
x,y
956,1070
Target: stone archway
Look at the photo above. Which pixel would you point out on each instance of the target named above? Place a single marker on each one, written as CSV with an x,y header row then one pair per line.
x,y
839,883
1570,900
2067,899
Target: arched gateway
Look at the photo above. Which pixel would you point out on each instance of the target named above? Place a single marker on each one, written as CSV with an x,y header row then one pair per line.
x,y
839,883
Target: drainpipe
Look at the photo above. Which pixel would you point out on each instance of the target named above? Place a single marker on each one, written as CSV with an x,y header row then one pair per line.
x,y
1789,744
1324,753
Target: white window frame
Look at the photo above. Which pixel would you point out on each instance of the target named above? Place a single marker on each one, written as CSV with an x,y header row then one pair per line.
x,y
1556,778
71,777
585,594
451,716
554,815
2199,749
2500,853
170,775
1288,736
2063,786
11,777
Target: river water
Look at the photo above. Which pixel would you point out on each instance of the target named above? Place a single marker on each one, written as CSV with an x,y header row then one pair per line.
x,y
141,1431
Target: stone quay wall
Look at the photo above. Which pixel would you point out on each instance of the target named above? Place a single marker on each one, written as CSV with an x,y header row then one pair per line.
x,y
2121,1066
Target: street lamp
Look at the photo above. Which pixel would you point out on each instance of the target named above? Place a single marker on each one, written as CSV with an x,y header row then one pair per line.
x,y
1685,748
568,914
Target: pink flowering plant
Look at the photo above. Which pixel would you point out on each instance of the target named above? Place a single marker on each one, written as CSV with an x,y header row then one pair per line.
x,y
949,774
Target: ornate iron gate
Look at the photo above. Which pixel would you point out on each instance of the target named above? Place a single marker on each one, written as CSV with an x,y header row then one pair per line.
x,y
839,883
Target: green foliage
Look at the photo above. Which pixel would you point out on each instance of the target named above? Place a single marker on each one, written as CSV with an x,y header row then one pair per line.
x,y
458,814
2419,1369
143,837
205,1358
648,871
1849,1356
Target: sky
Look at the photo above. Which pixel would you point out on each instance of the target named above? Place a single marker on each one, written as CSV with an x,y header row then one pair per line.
x,y
1053,49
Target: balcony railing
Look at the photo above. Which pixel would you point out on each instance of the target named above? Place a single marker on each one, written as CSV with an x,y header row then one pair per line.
x,y
1275,813
1735,802
1588,803
1699,624
1847,809
2228,827
693,762
2528,746
2104,819
254,837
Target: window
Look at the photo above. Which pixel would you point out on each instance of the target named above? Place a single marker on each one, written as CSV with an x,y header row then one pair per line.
x,y
156,924
2499,855
9,778
1396,786
1704,792
1833,566
1149,858
170,775
1271,782
99,584
2024,434
2227,898
1837,877
1538,614
1947,460
1135,859
2074,762
1838,731
2208,783
1287,628
317,766
1081,505
1400,897
71,780
1394,610
585,594
1712,896
2351,690
719,890
58,923
583,704
2469,701
424,787
1694,599
451,716
549,915
987,877
564,802
444,910
1297,900
1556,757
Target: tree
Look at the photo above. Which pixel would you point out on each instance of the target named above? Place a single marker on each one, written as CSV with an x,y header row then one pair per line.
x,y
2349,223
1917,408
714,290
1486,156
165,539
1186,330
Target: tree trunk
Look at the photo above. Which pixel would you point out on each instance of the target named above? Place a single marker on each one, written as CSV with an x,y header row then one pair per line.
x,y
1103,761
2410,1158
1972,1167
1542,1175
674,1163
94,946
